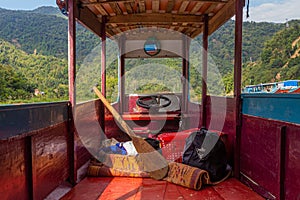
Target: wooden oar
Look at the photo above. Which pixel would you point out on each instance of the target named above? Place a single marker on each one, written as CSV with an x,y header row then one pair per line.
x,y
151,160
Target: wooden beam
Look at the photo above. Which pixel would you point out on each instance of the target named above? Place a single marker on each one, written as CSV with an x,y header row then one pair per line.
x,y
210,9
222,16
154,18
88,19
161,24
210,1
99,2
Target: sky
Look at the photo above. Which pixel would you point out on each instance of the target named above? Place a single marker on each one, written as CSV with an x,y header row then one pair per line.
x,y
277,11
25,4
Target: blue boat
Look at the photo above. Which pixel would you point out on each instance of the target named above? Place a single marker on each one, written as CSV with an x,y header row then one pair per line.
x,y
288,86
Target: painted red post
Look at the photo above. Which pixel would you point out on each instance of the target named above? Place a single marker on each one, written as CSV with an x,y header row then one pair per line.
x,y
185,73
103,56
204,71
281,141
122,73
103,72
30,171
72,89
237,83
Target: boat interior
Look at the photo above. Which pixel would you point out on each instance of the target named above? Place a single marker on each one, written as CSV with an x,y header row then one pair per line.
x,y
46,148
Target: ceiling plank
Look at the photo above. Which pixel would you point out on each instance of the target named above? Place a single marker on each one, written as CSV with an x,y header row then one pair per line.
x,y
155,6
183,6
99,8
196,8
123,8
116,8
128,7
210,9
170,6
142,6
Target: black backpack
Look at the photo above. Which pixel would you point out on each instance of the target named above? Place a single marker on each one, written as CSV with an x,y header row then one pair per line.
x,y
205,150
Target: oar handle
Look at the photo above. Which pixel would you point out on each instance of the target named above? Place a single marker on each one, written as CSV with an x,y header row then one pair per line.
x,y
116,115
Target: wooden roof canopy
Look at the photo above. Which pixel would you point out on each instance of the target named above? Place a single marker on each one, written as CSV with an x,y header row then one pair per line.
x,y
183,16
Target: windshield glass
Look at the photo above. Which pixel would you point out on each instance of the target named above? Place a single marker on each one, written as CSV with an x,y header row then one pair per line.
x,y
148,76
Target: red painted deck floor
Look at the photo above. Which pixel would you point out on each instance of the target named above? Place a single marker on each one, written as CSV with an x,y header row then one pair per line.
x,y
121,188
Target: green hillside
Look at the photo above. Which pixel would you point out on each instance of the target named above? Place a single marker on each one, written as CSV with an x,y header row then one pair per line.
x,y
221,43
21,73
280,58
16,86
33,55
41,33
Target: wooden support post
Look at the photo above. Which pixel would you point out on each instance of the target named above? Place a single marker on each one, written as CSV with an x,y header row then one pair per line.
x,y
281,141
28,168
121,73
72,93
185,73
204,71
103,56
103,72
237,84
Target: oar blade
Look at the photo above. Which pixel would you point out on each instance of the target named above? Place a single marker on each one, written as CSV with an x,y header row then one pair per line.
x,y
151,160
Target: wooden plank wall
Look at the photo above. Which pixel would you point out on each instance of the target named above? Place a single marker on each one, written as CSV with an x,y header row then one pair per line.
x,y
270,141
270,155
13,170
88,131
50,166
33,156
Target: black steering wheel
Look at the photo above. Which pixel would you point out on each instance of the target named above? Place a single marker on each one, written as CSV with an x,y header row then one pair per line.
x,y
153,101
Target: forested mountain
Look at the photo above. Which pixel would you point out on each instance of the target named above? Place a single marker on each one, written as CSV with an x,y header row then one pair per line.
x,y
48,10
21,73
221,43
33,47
280,58
43,31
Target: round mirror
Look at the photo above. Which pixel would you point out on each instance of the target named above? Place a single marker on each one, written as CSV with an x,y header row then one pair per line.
x,y
152,46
